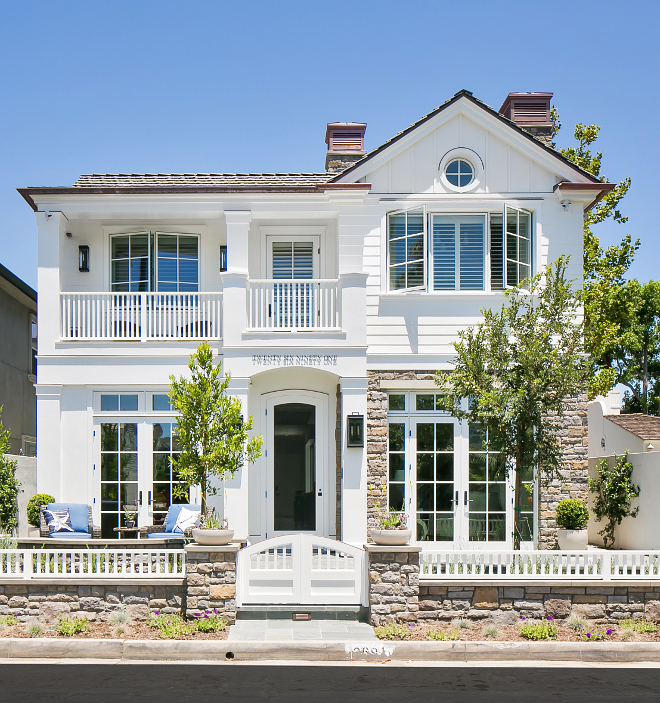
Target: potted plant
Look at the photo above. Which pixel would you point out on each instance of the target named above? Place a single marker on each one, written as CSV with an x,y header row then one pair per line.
x,y
391,529
572,517
130,515
212,530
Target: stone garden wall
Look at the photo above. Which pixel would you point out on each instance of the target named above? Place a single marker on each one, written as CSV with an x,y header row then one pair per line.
x,y
47,601
211,580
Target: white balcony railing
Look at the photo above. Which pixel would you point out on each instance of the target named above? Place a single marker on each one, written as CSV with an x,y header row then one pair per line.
x,y
141,316
292,305
543,565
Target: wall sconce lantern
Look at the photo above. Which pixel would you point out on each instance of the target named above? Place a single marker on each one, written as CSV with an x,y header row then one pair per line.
x,y
83,258
355,426
223,258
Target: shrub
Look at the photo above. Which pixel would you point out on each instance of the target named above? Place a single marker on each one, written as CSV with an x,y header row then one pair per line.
x,y
461,623
209,621
71,626
9,485
7,541
543,630
572,514
9,620
34,629
577,623
33,506
614,492
119,617
641,626
118,632
491,631
389,632
171,626
443,636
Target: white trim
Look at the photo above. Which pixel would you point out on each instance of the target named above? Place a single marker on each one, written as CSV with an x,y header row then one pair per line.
x,y
464,154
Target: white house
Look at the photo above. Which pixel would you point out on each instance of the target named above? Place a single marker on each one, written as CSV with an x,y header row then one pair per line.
x,y
330,297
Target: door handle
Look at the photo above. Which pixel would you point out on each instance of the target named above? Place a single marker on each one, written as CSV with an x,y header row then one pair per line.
x,y
456,499
149,503
465,500
140,497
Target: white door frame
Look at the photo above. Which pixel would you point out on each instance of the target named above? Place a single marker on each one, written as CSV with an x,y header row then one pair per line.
x,y
322,489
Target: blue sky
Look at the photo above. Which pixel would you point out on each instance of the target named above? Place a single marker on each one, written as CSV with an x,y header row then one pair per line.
x,y
144,86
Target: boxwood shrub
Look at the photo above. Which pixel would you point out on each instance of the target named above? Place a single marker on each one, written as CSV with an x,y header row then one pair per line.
x,y
572,514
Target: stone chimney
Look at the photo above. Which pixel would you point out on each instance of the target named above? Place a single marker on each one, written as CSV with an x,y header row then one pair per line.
x,y
531,112
345,142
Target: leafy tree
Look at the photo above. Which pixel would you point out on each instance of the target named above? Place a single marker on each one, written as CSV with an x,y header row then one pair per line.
x,y
9,485
211,430
608,302
517,367
614,492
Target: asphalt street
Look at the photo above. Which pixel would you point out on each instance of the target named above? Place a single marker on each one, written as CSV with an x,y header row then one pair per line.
x,y
66,683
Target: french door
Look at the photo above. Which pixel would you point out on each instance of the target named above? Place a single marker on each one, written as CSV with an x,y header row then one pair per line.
x,y
133,468
452,488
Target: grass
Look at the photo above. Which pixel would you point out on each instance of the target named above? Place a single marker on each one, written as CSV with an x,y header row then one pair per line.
x,y
443,636
172,626
461,624
34,629
491,631
577,623
641,626
119,617
540,630
71,626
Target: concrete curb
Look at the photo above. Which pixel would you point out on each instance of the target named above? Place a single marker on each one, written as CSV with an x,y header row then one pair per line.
x,y
223,650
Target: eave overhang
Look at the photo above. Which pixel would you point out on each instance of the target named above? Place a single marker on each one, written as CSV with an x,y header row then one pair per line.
x,y
592,193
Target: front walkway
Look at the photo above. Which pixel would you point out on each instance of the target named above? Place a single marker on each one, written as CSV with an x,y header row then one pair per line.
x,y
276,630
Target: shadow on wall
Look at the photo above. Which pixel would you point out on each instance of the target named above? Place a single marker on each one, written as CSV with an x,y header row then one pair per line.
x,y
643,531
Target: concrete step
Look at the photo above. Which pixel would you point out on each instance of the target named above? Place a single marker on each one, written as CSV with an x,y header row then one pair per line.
x,y
315,612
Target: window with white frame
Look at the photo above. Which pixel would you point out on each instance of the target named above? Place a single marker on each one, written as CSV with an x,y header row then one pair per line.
x,y
154,261
464,252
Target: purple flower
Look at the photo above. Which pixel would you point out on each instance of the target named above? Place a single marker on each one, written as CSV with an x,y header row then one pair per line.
x,y
523,618
215,611
549,617
411,624
157,612
608,632
206,615
588,634
198,615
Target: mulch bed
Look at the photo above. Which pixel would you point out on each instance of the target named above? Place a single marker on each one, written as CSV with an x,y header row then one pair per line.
x,y
511,633
106,631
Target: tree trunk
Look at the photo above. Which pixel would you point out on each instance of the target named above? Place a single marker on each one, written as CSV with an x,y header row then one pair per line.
x,y
517,503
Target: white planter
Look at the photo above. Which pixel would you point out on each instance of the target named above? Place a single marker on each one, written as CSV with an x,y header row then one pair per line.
x,y
572,540
395,538
212,537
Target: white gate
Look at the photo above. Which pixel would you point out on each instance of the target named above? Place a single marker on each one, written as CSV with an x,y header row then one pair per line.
x,y
301,569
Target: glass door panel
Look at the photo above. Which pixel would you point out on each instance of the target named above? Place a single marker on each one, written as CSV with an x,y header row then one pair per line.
x,y
119,473
165,448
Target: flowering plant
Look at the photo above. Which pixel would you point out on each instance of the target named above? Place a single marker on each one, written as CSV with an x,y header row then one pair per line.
x,y
211,521
392,520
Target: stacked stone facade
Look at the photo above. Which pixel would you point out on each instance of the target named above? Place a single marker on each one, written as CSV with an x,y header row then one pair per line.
x,y
393,584
211,580
571,429
94,601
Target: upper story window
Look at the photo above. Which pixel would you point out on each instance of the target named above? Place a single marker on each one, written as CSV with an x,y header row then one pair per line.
x,y
459,173
461,252
160,261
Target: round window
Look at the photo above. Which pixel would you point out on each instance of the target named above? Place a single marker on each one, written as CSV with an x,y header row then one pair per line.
x,y
459,173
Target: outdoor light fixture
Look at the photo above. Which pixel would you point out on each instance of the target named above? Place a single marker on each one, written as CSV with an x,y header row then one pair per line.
x,y
355,425
223,258
83,258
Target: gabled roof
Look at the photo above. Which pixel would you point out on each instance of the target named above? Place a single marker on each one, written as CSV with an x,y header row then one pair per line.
x,y
195,180
487,108
643,426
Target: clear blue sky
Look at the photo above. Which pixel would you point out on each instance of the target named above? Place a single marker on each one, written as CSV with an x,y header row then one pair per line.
x,y
143,86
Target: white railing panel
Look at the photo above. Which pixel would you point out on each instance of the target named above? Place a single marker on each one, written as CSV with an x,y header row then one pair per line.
x,y
76,563
540,565
292,305
140,316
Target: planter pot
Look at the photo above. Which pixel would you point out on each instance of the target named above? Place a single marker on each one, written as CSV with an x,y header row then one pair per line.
x,y
212,537
572,540
130,523
395,538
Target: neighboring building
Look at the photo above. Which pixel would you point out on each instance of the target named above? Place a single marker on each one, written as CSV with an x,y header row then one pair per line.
x,y
331,297
18,362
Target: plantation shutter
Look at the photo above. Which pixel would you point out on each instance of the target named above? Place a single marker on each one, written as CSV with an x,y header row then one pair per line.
x,y
458,251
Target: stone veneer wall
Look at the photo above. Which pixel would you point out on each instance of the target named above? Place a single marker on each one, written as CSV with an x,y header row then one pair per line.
x,y
572,430
211,580
47,601
393,584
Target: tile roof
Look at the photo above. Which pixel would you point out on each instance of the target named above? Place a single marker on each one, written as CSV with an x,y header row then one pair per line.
x,y
643,426
201,180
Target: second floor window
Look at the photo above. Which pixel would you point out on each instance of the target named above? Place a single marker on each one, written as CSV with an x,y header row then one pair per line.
x,y
459,252
154,261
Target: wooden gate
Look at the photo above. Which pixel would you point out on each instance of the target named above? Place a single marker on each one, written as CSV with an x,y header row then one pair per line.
x,y
301,569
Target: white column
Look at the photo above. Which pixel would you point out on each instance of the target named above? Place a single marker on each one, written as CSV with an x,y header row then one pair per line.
x,y
354,465
236,488
49,441
50,231
353,307
235,280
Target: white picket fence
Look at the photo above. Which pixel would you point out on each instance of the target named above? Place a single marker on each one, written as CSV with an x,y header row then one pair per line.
x,y
542,565
92,563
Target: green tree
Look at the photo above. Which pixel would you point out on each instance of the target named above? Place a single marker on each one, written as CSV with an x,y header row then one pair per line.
x,y
9,485
607,301
212,432
517,367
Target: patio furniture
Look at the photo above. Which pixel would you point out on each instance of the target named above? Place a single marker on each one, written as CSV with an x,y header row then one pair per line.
x,y
127,530
80,515
164,531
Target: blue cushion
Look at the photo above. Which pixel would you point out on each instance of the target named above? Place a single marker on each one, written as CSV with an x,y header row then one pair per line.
x,y
78,514
69,535
165,535
173,514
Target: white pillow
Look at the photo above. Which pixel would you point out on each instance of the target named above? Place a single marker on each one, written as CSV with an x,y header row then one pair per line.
x,y
187,518
58,521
